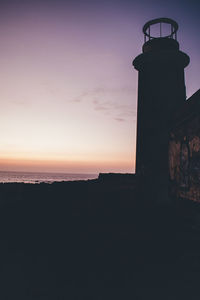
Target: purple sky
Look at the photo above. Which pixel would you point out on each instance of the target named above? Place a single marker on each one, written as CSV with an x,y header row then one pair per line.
x,y
68,90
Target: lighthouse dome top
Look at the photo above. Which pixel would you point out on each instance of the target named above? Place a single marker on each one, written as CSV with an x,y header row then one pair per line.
x,y
160,45
162,31
160,34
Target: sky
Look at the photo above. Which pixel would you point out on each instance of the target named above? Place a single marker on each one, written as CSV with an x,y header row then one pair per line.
x,y
68,90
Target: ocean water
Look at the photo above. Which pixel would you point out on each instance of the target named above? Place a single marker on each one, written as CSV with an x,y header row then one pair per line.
x,y
37,177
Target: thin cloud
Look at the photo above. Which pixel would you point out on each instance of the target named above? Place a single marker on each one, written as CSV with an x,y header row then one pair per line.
x,y
18,103
120,119
81,97
120,109
99,107
76,100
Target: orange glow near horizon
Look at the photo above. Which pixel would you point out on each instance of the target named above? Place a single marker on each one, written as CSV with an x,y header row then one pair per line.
x,y
68,90
63,166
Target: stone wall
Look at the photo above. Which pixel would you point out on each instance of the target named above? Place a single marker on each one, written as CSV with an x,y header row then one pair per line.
x,y
184,153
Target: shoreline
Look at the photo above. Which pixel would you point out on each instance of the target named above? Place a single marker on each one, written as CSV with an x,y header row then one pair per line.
x,y
101,177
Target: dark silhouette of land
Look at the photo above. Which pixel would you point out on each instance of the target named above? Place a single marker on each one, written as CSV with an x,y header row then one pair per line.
x,y
96,240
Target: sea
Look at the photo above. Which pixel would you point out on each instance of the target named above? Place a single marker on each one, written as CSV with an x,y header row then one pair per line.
x,y
38,177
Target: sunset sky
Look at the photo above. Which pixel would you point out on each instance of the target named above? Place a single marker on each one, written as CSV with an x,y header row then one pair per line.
x,y
68,91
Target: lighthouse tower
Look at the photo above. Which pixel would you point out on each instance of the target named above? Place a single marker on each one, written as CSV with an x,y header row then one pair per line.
x,y
161,91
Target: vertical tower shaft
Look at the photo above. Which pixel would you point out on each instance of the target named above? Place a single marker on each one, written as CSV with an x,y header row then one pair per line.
x,y
161,91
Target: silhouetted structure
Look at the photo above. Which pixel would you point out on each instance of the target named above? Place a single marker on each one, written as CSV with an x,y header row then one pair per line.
x,y
184,150
168,126
161,91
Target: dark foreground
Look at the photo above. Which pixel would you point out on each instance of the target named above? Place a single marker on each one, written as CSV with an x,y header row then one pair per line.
x,y
89,240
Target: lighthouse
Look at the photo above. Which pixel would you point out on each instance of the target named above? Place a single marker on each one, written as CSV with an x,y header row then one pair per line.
x,y
161,92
